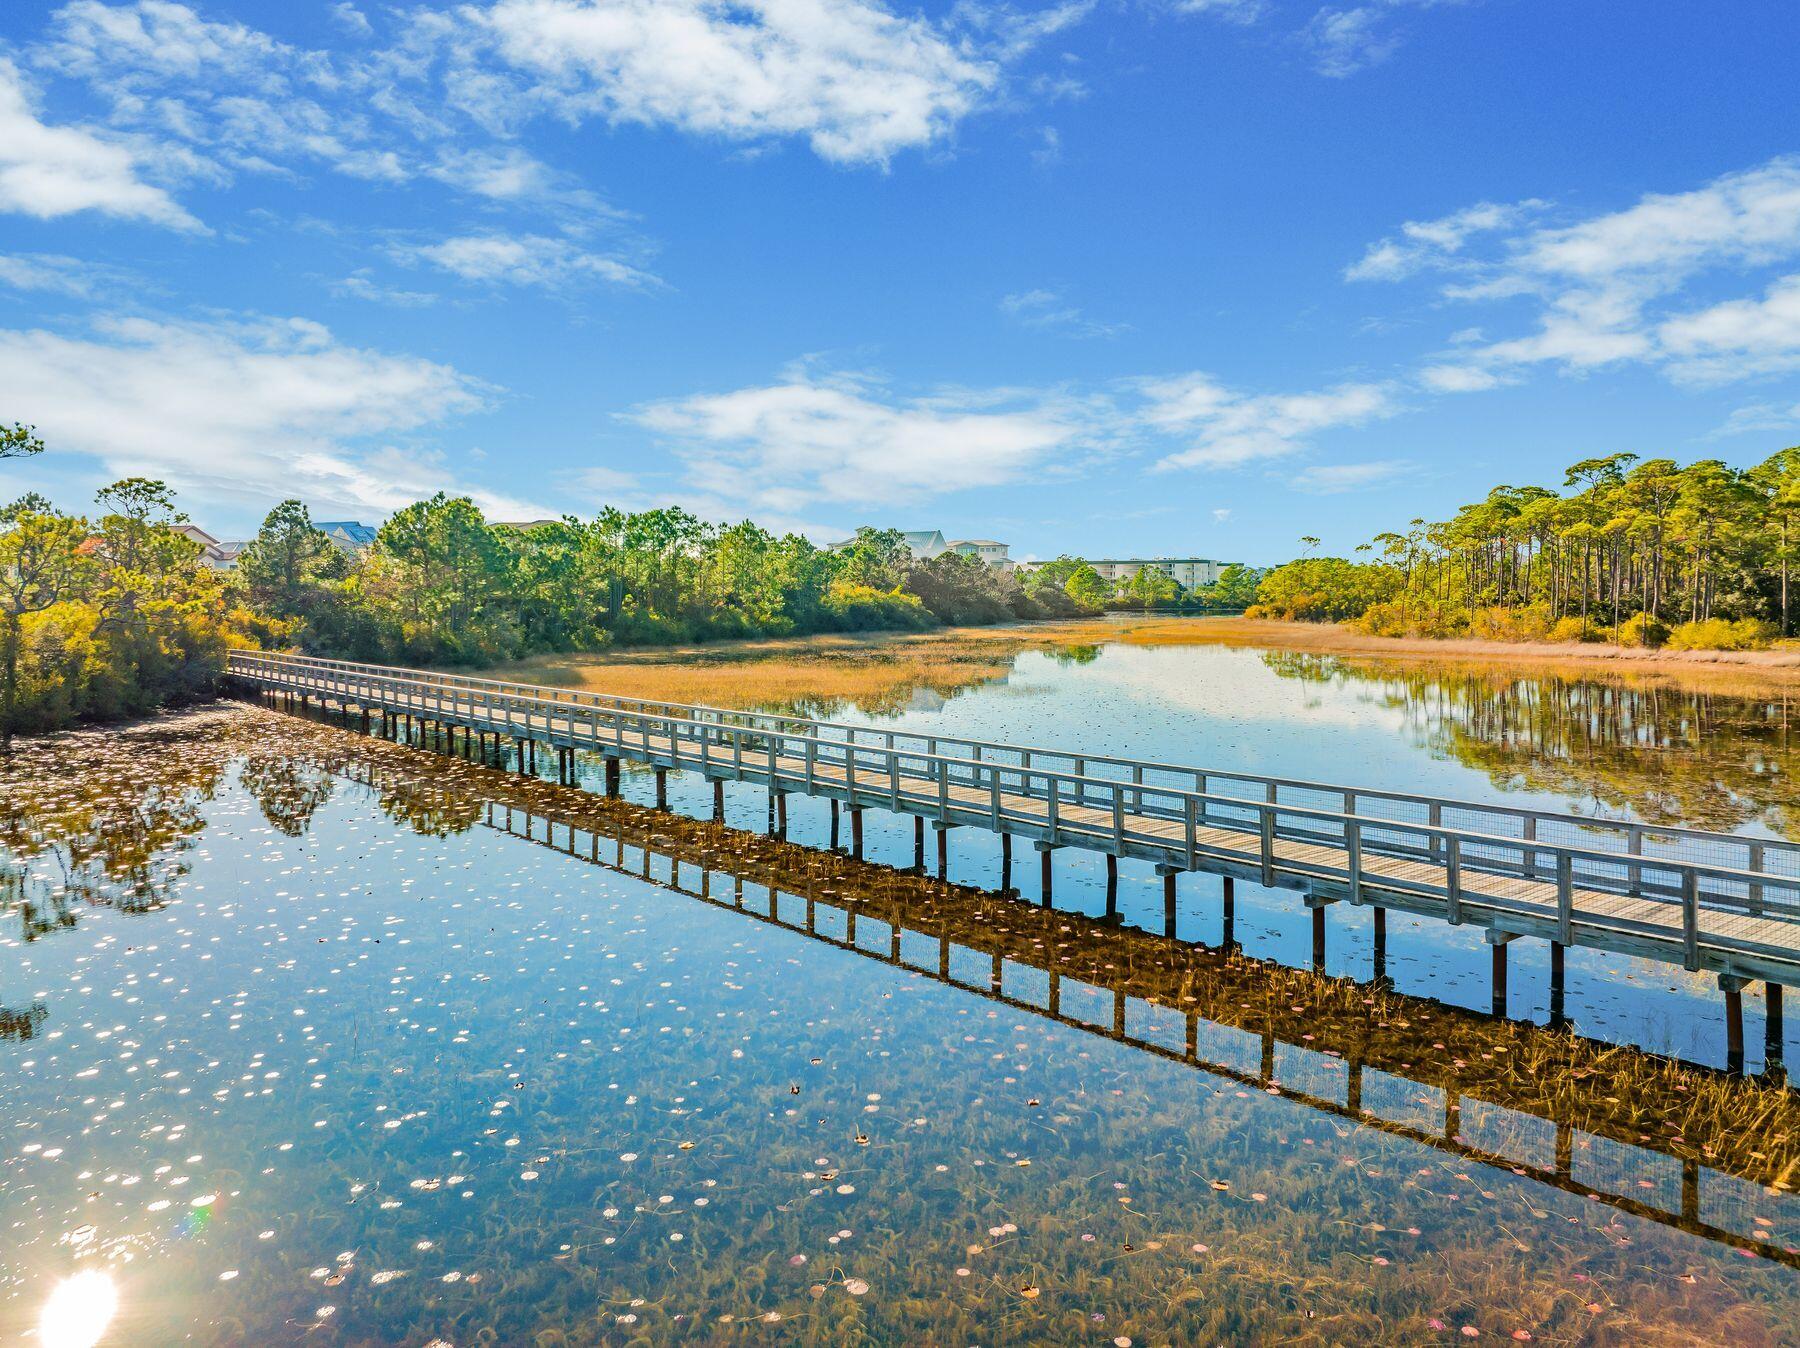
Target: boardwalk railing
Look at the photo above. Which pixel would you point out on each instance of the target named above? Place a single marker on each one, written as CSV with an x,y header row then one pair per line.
x,y
1148,1006
1721,902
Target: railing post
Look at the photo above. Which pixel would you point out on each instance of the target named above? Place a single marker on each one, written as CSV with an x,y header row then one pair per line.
x,y
1187,828
1266,821
1756,886
1054,795
1452,875
1690,919
1565,897
1353,846
1635,846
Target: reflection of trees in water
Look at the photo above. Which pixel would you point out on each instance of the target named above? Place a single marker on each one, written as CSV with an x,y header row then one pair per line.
x,y
427,808
22,1022
1672,755
108,823
290,788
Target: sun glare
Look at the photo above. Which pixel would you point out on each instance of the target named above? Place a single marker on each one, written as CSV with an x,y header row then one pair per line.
x,y
78,1311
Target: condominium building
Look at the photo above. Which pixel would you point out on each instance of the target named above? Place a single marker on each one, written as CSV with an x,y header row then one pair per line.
x,y
982,550
1187,572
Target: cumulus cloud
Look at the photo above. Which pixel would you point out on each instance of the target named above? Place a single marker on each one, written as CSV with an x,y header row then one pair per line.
x,y
1618,286
1228,429
1739,336
809,439
855,80
241,412
52,171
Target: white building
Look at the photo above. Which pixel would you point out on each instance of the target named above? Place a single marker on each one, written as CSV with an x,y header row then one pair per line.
x,y
1187,572
922,543
983,550
220,556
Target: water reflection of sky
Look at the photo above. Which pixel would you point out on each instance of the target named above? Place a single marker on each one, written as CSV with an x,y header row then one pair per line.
x,y
1361,723
349,1081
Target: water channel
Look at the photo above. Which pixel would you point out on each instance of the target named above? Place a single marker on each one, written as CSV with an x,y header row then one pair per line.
x,y
311,1037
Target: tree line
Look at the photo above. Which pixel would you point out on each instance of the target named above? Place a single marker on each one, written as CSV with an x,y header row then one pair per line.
x,y
440,585
106,617
115,612
1635,551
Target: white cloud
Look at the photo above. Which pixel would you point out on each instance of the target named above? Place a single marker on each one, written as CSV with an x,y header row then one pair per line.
x,y
1609,289
1450,378
55,274
1759,418
361,285
1235,11
858,82
1426,243
1738,336
526,260
809,439
52,171
351,19
240,413
1228,429
1330,479
1047,311
1345,41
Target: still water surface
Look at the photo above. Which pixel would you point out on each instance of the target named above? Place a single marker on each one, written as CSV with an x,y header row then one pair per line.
x,y
310,1038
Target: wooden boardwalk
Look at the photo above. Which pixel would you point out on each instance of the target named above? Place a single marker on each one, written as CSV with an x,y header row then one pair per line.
x,y
1196,1006
1723,903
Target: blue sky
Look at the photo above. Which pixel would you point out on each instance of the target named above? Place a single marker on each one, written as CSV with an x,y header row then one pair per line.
x,y
1112,277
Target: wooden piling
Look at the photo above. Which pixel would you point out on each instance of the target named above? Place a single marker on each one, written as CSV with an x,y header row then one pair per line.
x,y
1734,1022
1774,1047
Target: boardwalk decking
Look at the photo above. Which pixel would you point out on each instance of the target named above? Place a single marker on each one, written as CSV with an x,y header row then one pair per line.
x,y
1724,903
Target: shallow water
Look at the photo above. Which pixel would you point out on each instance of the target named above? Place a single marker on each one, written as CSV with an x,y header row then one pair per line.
x,y
314,1038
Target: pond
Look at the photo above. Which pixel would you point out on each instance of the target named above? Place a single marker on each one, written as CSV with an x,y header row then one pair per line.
x,y
310,1037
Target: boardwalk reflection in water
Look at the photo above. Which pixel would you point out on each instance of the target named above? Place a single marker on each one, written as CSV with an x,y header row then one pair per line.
x,y
332,1029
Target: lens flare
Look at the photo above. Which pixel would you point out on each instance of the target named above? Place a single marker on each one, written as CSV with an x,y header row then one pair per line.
x,y
78,1311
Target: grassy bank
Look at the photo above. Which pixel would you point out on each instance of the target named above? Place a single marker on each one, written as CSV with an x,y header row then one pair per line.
x,y
880,672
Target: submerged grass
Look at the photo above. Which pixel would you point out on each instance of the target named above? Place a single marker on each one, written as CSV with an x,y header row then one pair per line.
x,y
1156,1205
